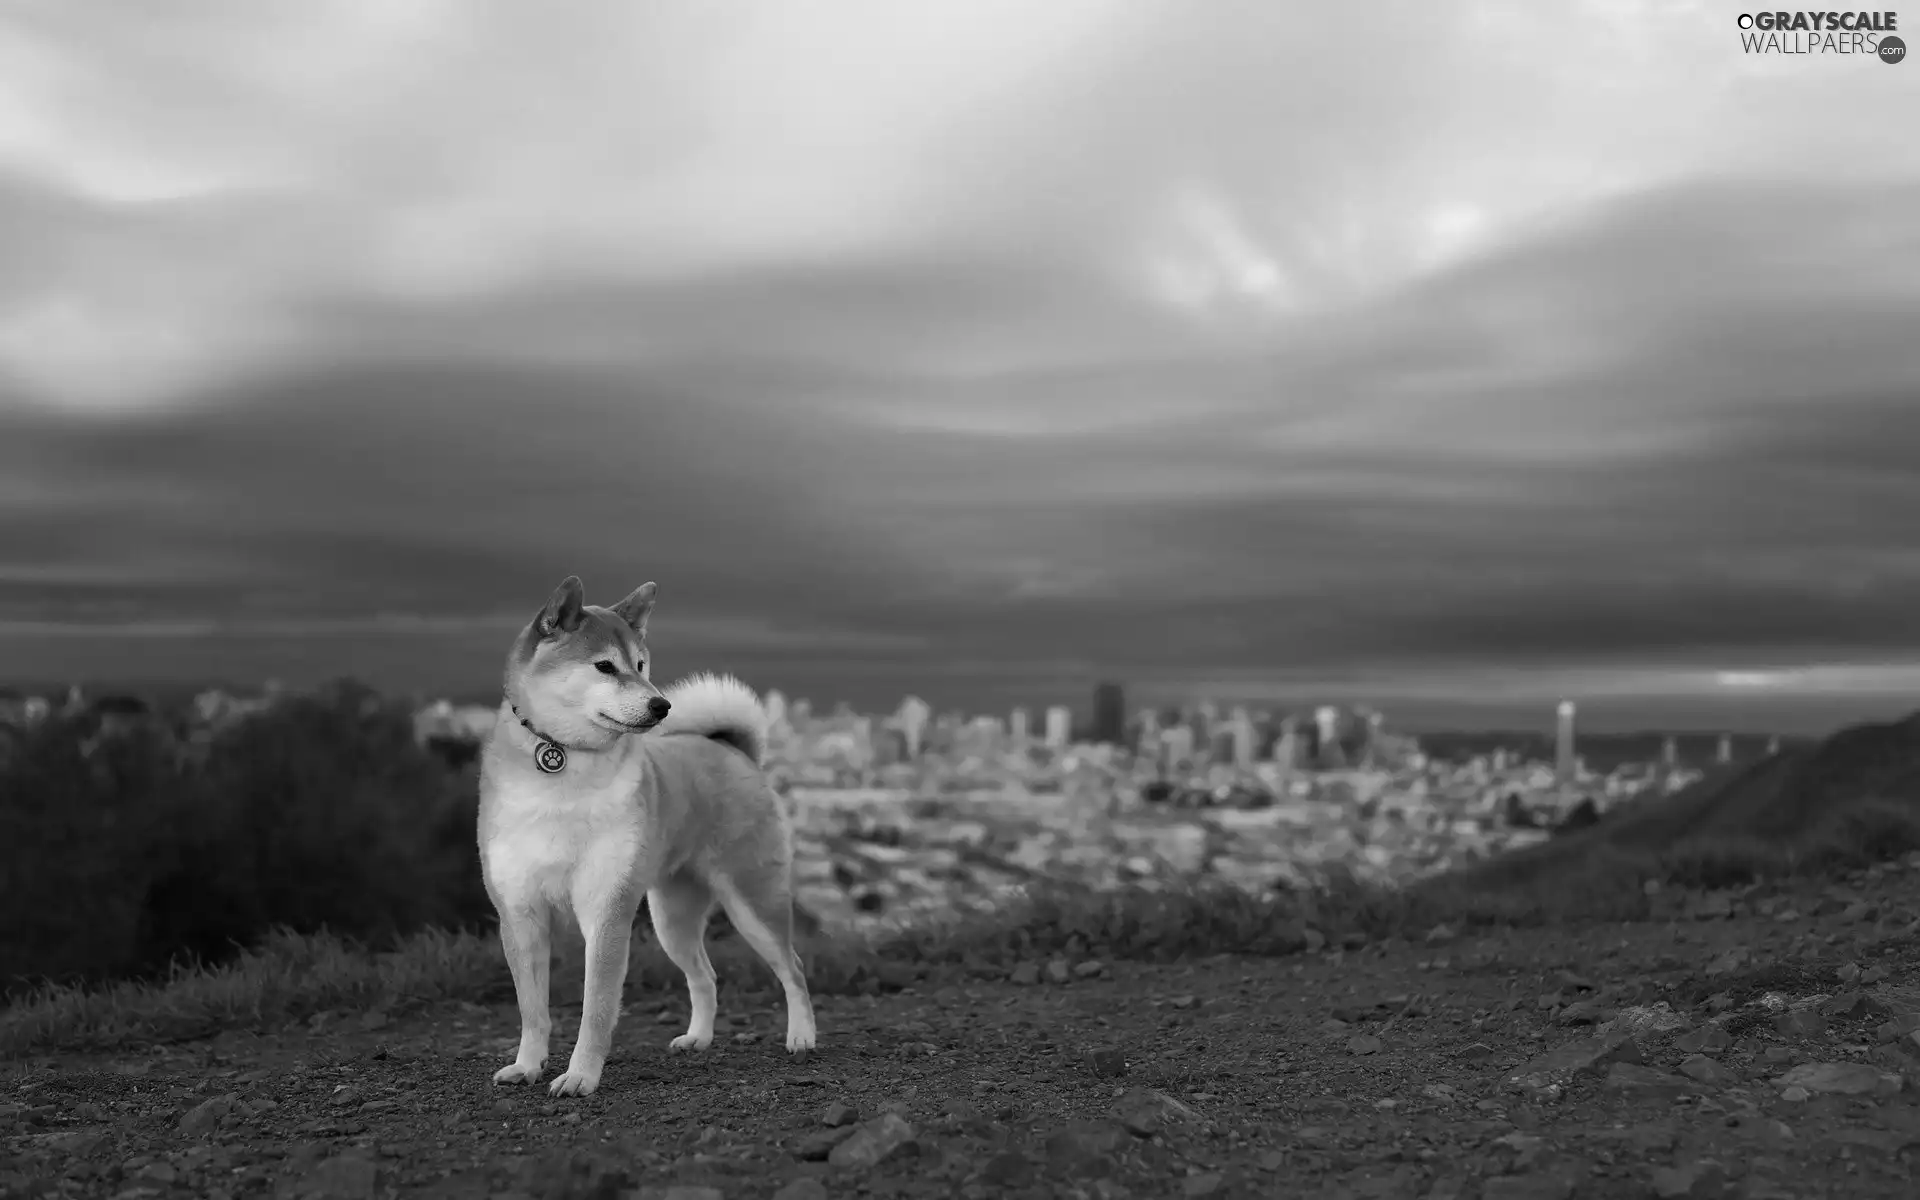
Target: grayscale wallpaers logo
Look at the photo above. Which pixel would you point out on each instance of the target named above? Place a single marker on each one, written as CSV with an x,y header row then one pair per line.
x,y
1865,34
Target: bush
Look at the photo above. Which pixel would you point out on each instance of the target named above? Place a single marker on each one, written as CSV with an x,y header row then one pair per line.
x,y
320,814
80,843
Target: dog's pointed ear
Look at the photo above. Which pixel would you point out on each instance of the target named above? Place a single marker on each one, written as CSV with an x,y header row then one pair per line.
x,y
564,608
634,609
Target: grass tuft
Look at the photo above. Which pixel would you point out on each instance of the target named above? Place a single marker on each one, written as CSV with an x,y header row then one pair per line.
x,y
1599,874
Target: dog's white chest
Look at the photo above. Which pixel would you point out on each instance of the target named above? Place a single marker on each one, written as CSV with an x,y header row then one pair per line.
x,y
550,843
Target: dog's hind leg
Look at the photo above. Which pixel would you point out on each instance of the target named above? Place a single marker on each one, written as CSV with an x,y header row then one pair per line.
x,y
680,907
762,910
525,936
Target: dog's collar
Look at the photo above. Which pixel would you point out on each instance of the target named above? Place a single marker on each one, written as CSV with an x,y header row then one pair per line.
x,y
548,753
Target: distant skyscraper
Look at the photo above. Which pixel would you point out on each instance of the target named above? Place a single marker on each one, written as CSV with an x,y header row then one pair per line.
x,y
1147,731
1059,726
1564,766
1286,751
1326,737
1200,722
1773,746
1326,722
1109,714
1723,753
1375,722
1017,726
913,715
1240,729
1177,741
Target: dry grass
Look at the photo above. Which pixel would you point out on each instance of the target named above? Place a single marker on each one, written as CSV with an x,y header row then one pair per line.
x,y
1601,876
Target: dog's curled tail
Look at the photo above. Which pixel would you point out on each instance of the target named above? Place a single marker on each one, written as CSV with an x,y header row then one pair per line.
x,y
719,707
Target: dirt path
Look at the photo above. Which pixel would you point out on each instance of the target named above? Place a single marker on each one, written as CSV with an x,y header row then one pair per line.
x,y
1469,1067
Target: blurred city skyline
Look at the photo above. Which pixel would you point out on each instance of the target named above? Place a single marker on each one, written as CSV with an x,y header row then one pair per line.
x,y
1454,362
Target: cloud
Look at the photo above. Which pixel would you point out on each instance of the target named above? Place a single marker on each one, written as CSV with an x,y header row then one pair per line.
x,y
976,344
192,184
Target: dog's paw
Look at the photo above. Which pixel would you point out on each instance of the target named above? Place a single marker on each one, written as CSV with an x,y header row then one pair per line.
x,y
519,1072
690,1041
800,1042
575,1083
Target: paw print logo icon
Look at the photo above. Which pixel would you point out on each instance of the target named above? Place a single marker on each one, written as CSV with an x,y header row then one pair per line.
x,y
550,758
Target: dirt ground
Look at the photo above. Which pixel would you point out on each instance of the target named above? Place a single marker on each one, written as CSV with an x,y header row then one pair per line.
x,y
1510,1066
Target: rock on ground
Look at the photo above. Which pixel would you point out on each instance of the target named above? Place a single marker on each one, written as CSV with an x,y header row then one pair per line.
x,y
1441,1068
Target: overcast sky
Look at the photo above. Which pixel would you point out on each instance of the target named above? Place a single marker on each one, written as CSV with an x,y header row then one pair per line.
x,y
1457,354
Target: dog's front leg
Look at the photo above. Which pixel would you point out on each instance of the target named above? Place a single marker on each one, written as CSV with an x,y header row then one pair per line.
x,y
525,936
608,926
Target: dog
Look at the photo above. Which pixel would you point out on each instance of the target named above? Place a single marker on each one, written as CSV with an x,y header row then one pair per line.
x,y
598,788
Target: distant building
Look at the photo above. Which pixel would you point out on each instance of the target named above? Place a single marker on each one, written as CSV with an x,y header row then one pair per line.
x,y
1017,726
1220,745
1201,720
1240,732
891,744
1109,714
20,709
1176,743
1327,751
1669,753
1723,753
1287,751
1146,732
1376,722
1565,767
912,721
442,719
1059,726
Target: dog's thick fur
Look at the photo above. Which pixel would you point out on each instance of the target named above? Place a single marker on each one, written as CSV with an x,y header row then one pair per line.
x,y
662,796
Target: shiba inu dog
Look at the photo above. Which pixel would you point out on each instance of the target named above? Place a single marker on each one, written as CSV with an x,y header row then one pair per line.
x,y
597,788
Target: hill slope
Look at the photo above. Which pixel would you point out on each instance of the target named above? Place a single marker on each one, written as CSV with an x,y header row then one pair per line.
x,y
1856,791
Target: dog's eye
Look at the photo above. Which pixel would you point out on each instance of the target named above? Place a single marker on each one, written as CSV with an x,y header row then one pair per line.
x,y
606,668
639,666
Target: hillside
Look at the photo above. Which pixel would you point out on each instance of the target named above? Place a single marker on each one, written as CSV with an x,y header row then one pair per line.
x,y
1855,791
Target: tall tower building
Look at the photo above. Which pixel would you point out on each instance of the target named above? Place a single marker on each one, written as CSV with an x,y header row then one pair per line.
x,y
1017,726
912,717
1241,732
1723,753
1059,726
1199,721
1147,731
1109,714
1564,766
1326,729
1286,751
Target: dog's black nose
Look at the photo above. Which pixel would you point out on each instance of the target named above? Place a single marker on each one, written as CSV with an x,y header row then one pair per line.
x,y
658,707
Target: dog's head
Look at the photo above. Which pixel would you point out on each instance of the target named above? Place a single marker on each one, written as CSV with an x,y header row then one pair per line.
x,y
579,672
